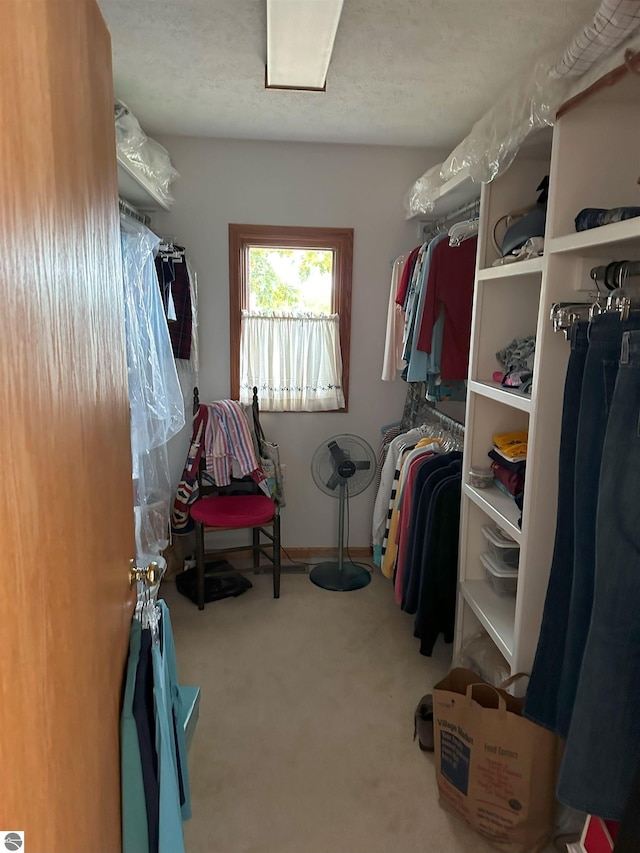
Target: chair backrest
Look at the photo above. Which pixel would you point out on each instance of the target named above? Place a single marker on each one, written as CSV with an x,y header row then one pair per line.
x,y
239,485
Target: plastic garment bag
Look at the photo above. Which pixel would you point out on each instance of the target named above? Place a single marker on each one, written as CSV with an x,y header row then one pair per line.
x,y
155,397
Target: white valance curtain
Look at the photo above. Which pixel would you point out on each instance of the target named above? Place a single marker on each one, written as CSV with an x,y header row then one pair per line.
x,y
293,359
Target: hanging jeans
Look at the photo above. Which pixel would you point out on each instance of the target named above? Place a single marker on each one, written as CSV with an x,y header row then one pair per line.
x,y
542,694
603,746
577,570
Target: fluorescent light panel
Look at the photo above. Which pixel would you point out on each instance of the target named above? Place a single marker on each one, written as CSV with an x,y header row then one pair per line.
x,y
300,36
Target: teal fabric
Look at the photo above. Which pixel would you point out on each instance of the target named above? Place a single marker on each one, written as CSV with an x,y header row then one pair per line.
x,y
178,709
422,364
171,839
191,703
135,836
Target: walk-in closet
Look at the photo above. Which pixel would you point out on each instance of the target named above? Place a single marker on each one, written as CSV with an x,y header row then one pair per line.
x,y
320,426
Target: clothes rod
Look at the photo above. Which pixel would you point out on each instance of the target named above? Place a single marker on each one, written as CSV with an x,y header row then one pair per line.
x,y
615,274
447,421
471,210
133,212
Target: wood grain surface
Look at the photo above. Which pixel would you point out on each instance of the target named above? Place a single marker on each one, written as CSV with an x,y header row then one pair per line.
x,y
65,496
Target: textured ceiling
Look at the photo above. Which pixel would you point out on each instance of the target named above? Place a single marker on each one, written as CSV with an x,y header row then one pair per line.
x,y
403,72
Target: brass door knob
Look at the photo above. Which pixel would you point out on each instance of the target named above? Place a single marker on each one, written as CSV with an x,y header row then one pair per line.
x,y
149,574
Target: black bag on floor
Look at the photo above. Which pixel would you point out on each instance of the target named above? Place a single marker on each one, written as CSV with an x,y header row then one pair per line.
x,y
215,587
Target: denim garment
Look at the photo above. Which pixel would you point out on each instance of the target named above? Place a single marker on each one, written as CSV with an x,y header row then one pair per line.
x,y
542,693
603,746
598,383
594,217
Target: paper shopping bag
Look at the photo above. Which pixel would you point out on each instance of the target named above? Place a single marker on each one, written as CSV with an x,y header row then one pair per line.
x,y
494,768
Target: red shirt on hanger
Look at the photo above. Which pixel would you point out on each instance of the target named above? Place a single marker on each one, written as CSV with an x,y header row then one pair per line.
x,y
450,284
405,278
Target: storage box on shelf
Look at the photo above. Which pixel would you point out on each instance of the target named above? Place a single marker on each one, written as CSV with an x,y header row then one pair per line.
x,y
502,548
587,170
503,581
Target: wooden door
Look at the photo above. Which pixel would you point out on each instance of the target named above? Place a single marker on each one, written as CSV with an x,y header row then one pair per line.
x,y
65,463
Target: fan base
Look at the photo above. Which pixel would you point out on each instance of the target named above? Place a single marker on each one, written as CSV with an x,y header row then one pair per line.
x,y
329,576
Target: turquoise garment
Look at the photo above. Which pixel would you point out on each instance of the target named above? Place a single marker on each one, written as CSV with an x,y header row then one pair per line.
x,y
170,837
135,835
438,391
421,364
178,709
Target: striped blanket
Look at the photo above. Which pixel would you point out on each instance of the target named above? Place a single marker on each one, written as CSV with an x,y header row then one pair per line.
x,y
221,432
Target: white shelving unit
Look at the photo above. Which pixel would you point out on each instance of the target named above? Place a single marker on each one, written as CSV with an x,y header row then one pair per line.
x,y
453,195
135,188
510,301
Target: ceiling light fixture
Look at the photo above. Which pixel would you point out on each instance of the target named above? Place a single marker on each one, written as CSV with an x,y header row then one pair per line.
x,y
300,36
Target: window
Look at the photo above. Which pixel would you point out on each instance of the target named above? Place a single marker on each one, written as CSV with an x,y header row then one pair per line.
x,y
290,316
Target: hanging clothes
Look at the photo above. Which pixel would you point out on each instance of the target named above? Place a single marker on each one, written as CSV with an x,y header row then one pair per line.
x,y
426,566
586,671
392,360
421,363
405,278
391,539
450,287
155,398
387,477
154,770
176,289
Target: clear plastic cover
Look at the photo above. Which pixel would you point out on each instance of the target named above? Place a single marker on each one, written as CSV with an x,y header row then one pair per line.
x,y
144,154
530,103
420,197
155,398
495,139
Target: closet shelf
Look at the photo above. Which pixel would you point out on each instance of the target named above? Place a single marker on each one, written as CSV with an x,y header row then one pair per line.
x,y
493,390
452,195
593,241
136,189
499,507
496,613
519,269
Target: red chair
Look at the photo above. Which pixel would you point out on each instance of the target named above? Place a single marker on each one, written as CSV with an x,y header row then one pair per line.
x,y
240,505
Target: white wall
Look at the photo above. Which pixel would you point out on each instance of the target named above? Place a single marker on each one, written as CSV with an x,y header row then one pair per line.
x,y
267,183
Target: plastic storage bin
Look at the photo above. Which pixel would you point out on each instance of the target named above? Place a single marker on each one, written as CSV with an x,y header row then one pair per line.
x,y
480,478
504,550
504,581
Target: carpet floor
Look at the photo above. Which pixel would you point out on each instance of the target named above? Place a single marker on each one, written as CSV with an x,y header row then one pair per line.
x,y
304,742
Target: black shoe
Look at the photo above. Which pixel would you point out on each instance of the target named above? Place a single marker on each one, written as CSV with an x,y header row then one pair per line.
x,y
423,723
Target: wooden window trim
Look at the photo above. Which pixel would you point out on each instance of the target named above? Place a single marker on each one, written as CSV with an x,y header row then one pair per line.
x,y
340,240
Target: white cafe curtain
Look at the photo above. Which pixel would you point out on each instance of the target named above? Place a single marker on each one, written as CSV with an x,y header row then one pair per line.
x,y
293,359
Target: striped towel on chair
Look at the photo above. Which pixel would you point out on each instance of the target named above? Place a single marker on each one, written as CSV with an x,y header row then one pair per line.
x,y
229,447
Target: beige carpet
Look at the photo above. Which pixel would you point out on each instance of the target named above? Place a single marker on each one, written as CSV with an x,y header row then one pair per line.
x,y
304,743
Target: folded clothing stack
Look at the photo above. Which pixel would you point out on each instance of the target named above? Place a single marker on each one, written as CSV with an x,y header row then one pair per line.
x,y
517,363
512,446
508,463
595,217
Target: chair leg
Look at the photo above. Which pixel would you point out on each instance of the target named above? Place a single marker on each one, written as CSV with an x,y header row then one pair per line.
x,y
255,533
200,563
276,556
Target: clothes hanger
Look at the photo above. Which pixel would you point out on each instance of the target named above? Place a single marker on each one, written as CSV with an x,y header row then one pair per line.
x,y
147,611
461,231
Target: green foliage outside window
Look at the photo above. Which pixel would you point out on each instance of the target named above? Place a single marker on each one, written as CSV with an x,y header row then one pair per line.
x,y
290,280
